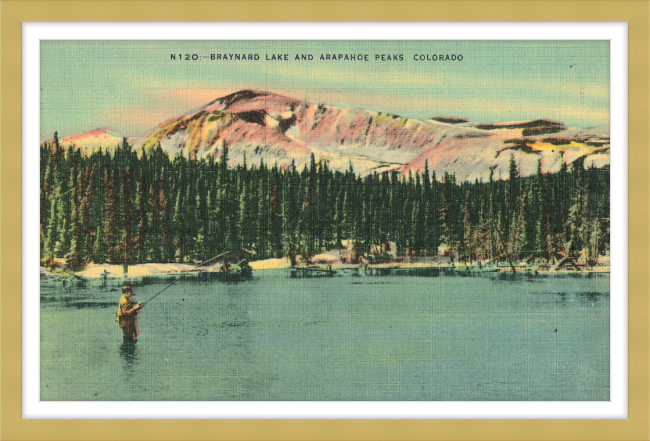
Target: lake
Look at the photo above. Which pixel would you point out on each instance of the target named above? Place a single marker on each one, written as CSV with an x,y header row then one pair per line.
x,y
484,337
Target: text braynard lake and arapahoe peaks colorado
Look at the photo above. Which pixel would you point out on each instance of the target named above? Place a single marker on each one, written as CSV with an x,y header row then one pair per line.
x,y
361,57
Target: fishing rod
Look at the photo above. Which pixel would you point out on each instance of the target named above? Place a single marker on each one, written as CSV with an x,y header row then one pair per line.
x,y
202,263
66,192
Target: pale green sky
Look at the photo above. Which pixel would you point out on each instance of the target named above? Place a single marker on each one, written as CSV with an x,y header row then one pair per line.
x,y
132,86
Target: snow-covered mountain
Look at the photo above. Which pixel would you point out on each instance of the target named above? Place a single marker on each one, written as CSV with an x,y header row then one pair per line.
x,y
88,142
278,129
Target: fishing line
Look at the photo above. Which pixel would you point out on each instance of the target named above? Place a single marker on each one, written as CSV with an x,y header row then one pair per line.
x,y
181,277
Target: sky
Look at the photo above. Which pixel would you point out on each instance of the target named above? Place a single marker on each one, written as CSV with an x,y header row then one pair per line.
x,y
133,86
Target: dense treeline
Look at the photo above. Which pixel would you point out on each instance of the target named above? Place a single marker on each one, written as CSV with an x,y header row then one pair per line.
x,y
121,207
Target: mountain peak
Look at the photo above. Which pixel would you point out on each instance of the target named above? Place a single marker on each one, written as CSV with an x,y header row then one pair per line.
x,y
450,119
261,125
100,132
250,100
110,131
242,95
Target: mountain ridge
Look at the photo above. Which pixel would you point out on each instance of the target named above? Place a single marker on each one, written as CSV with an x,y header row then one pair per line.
x,y
264,126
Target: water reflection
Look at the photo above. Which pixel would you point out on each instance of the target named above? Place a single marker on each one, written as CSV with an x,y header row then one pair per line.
x,y
581,298
129,353
330,339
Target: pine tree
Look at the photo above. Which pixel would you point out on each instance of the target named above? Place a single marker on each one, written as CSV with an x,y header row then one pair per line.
x,y
538,218
164,191
217,222
190,228
517,230
433,216
347,213
113,215
262,240
468,246
76,255
275,213
307,222
547,238
64,199
87,186
47,167
126,225
484,233
178,222
563,192
201,201
448,212
417,227
418,218
289,215
51,240
99,210
141,204
577,231
510,208
594,243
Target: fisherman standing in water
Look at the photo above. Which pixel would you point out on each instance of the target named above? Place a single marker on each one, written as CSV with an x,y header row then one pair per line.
x,y
127,314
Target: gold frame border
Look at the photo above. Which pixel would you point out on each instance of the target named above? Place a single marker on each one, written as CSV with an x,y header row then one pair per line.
x,y
12,13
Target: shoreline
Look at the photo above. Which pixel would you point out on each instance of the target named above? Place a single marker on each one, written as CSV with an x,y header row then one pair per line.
x,y
108,274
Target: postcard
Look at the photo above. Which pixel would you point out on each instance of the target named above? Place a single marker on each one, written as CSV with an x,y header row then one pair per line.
x,y
325,220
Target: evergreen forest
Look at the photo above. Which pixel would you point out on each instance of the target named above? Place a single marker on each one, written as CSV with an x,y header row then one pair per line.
x,y
125,206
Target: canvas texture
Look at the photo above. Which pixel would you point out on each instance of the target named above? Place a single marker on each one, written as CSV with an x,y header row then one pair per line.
x,y
325,220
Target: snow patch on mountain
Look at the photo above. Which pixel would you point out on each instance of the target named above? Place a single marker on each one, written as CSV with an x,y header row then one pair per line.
x,y
261,126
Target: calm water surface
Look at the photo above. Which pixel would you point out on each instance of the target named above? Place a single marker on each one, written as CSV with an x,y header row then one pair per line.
x,y
341,338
